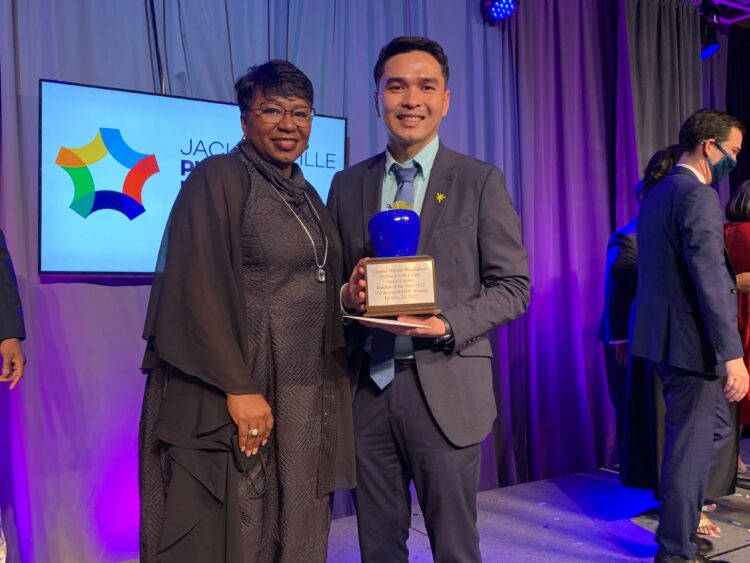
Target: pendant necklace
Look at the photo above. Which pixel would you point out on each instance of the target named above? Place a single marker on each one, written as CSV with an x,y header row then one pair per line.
x,y
320,273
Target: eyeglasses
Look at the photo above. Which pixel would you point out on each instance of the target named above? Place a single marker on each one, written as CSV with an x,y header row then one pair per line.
x,y
273,114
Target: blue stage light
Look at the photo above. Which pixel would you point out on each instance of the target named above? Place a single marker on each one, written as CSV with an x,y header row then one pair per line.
x,y
709,23
493,11
709,50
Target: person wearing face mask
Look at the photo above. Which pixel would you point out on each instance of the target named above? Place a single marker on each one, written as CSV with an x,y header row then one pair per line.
x,y
685,320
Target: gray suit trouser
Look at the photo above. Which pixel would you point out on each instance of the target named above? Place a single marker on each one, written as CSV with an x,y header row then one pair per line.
x,y
397,441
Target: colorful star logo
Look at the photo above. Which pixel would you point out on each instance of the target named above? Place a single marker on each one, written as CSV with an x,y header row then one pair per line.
x,y
86,198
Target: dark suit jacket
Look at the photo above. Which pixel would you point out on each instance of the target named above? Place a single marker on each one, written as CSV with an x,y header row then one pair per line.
x,y
482,277
686,304
11,315
619,284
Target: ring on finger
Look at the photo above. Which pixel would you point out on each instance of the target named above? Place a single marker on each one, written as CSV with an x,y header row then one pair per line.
x,y
253,432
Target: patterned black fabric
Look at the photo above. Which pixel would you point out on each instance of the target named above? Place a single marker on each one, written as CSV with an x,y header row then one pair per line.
x,y
236,307
284,308
151,483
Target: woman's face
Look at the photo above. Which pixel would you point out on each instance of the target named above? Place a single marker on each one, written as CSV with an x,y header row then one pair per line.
x,y
279,144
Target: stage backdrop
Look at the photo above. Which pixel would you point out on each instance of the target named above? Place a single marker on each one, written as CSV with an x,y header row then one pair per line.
x,y
564,97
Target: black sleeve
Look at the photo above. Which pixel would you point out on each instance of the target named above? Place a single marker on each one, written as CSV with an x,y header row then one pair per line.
x,y
195,318
11,314
621,276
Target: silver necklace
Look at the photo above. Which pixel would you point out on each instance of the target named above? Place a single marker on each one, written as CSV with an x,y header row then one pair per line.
x,y
320,273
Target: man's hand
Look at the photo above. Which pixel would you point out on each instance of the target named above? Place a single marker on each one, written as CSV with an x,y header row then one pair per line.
x,y
14,361
252,415
621,353
743,282
353,293
435,326
737,380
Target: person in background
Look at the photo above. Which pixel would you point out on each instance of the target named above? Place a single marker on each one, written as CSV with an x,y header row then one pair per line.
x,y
737,241
684,321
642,435
619,292
12,330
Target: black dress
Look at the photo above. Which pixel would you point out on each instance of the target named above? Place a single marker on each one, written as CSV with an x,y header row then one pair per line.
x,y
236,308
285,304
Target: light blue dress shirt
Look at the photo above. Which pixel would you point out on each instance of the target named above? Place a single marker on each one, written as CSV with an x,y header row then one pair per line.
x,y
423,160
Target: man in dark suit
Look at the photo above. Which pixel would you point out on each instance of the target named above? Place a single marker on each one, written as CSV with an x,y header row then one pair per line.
x,y
425,401
685,319
11,321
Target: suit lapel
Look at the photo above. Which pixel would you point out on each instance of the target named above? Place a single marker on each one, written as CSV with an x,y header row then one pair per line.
x,y
372,189
442,180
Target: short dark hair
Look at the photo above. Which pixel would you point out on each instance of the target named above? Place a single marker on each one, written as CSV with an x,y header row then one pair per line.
x,y
738,206
407,44
275,77
707,124
660,163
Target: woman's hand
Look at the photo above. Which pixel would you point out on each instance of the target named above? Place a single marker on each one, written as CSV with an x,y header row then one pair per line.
x,y
252,415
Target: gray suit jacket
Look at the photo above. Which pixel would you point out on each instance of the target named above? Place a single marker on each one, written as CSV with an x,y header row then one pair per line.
x,y
482,277
11,316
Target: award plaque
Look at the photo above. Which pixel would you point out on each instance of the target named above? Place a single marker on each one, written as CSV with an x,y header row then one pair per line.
x,y
398,282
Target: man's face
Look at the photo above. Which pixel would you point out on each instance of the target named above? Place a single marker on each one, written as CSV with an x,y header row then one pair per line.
x,y
732,146
279,144
413,100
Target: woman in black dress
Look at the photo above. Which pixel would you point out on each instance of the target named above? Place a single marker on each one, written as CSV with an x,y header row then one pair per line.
x,y
246,422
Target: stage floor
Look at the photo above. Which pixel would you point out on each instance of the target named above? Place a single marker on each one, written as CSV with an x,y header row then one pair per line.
x,y
578,518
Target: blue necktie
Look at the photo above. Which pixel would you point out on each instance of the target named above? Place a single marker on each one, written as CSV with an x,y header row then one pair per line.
x,y
405,177
382,365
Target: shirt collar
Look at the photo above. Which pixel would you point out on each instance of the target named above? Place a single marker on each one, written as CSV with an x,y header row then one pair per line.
x,y
695,171
423,160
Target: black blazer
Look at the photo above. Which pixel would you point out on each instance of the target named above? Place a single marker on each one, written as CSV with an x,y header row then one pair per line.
x,y
686,304
481,270
11,314
619,284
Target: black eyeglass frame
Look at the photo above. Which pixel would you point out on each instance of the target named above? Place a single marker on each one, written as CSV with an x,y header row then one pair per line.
x,y
299,122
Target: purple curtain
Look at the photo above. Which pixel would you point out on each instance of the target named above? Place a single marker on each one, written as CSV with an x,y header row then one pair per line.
x,y
555,416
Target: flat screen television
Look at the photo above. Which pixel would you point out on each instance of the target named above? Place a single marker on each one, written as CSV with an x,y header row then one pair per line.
x,y
112,162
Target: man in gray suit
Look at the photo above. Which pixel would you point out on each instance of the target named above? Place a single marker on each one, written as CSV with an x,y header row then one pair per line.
x,y
424,397
11,321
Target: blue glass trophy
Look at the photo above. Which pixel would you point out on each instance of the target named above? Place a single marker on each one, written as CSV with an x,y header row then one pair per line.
x,y
398,281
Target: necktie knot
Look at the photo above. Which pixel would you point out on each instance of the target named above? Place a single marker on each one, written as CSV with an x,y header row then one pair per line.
x,y
404,174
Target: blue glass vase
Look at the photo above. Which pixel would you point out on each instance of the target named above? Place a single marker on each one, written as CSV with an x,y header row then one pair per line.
x,y
394,232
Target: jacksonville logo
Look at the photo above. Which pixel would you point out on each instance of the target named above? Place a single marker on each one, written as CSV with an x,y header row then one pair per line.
x,y
86,198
